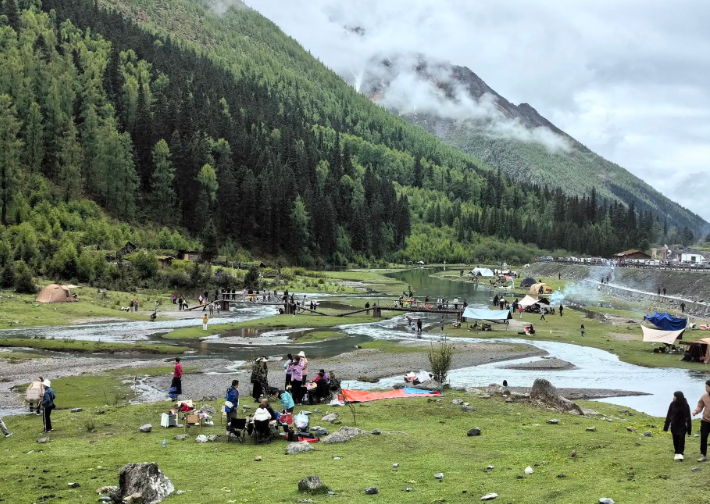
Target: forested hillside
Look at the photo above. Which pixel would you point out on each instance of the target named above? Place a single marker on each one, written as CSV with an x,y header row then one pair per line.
x,y
180,123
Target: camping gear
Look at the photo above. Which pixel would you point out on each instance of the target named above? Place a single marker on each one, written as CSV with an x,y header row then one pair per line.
x,y
168,420
528,282
172,393
481,272
698,351
237,429
527,301
406,392
666,322
656,336
301,421
498,316
540,288
54,293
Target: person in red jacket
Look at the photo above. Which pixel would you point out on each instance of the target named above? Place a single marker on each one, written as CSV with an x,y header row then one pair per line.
x,y
177,377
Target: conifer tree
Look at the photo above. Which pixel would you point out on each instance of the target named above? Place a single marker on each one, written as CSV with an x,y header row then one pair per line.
x,y
10,146
162,192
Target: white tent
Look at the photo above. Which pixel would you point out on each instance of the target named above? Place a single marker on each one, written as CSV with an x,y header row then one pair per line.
x,y
482,272
527,301
658,336
491,315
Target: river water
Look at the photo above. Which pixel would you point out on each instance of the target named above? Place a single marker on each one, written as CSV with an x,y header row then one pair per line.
x,y
593,368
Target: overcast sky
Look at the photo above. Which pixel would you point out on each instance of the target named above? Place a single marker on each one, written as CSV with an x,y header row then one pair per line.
x,y
628,78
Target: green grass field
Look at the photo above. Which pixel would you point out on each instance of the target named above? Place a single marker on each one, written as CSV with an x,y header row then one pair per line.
x,y
423,437
81,346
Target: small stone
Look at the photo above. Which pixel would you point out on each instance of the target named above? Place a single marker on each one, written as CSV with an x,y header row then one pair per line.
x,y
573,454
476,431
485,396
257,459
696,469
247,407
647,434
210,410
561,476
336,458
201,439
180,492
631,429
76,410
146,428
330,492
696,435
468,409
490,467
105,499
304,500
182,437
317,410
489,496
457,402
43,440
330,418
74,485
307,412
509,400
371,491
395,466
591,429
554,421
529,470
408,489
439,476
212,438
376,432
606,500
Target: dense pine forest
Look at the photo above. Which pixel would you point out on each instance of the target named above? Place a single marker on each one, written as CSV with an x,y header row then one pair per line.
x,y
111,131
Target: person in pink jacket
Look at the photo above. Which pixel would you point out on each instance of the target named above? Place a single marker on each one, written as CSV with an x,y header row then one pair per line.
x,y
296,369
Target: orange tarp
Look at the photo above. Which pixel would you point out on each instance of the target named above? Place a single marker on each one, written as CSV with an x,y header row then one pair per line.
x,y
365,396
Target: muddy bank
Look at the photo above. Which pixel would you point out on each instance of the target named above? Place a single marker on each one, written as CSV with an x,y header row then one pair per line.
x,y
543,365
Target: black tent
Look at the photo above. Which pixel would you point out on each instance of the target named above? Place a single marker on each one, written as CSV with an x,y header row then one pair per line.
x,y
528,282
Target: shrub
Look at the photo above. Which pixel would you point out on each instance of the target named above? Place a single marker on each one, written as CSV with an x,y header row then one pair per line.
x,y
7,280
24,284
440,360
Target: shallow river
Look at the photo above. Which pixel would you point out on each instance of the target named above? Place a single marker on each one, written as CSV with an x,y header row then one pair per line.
x,y
594,368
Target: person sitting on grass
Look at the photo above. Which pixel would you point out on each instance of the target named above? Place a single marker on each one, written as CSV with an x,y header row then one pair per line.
x,y
334,383
322,391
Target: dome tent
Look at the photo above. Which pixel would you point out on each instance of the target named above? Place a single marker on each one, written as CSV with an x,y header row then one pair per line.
x,y
54,293
528,282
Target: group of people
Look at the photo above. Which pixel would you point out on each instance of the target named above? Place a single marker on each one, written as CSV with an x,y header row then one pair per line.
x,y
40,396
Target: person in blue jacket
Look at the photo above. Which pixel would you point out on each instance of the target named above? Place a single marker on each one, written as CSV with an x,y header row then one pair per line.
x,y
233,399
48,405
287,403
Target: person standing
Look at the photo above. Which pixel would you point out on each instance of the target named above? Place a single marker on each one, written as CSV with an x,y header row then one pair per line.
x,y
180,303
543,312
3,427
442,323
287,403
581,329
664,291
296,379
177,378
136,304
704,406
287,366
231,404
131,305
304,361
682,307
205,321
259,378
419,325
48,406
561,309
680,423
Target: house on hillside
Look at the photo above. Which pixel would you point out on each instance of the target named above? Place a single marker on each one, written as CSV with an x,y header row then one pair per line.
x,y
165,261
633,254
128,248
189,255
693,257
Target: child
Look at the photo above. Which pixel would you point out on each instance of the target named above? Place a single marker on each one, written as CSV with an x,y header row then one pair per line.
x,y
680,422
581,329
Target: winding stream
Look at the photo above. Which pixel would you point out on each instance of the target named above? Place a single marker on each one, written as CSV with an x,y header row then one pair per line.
x,y
593,368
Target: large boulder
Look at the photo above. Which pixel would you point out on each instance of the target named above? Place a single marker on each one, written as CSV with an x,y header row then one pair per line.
x,y
312,484
543,391
145,479
342,435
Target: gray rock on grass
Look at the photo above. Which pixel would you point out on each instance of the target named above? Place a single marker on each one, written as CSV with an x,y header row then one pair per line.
x,y
296,448
146,428
476,431
201,439
145,479
343,435
606,500
489,496
312,484
332,417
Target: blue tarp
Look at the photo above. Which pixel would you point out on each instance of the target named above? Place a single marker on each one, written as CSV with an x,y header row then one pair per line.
x,y
667,322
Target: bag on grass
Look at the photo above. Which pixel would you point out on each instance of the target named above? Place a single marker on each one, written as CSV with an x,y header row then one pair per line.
x,y
301,421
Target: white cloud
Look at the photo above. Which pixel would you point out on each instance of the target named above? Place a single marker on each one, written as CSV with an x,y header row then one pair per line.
x,y
628,78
